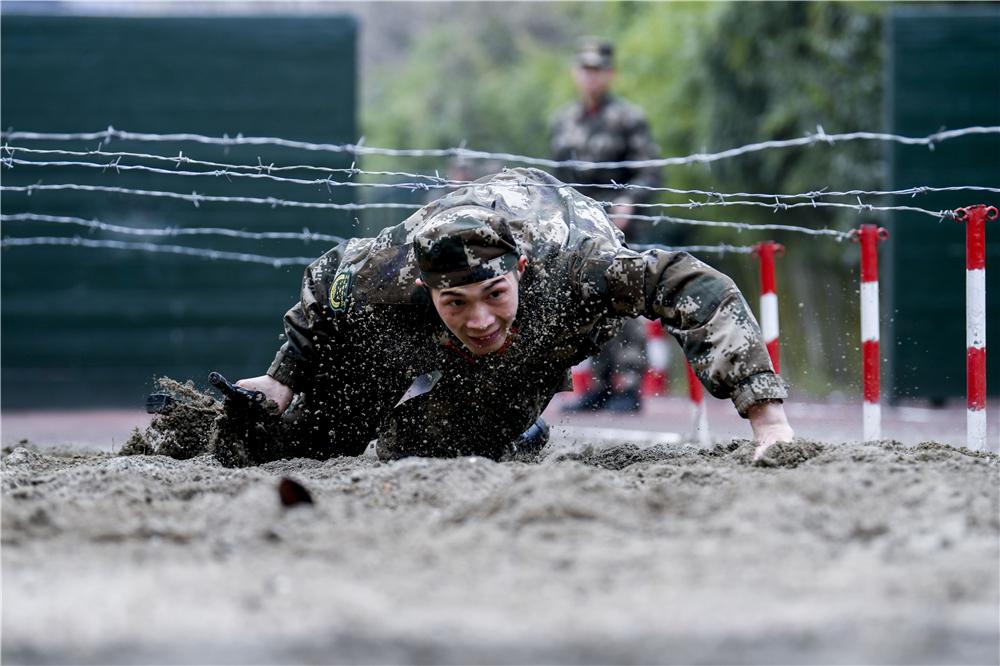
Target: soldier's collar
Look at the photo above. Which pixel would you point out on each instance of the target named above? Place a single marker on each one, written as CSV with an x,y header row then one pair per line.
x,y
601,104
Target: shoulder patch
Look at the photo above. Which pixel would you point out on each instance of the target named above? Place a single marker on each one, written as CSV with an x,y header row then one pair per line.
x,y
340,290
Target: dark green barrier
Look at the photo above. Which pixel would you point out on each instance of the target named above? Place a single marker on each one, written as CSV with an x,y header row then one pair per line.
x,y
943,74
91,327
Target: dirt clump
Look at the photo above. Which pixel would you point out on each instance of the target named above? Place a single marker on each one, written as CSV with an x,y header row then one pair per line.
x,y
182,430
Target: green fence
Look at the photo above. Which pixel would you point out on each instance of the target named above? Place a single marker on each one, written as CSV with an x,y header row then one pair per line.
x,y
943,72
93,326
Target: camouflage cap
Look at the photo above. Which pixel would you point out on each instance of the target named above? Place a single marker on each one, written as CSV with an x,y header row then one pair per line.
x,y
595,53
462,245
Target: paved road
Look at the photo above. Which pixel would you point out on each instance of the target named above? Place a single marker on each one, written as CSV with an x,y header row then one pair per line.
x,y
830,422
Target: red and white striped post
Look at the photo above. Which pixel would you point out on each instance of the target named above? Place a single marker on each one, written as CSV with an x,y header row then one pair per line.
x,y
975,320
654,382
868,236
583,375
699,424
766,252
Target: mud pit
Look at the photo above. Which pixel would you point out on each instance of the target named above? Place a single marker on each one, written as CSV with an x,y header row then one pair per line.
x,y
836,553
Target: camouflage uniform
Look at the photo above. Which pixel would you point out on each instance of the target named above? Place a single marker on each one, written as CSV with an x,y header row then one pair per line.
x,y
364,331
616,131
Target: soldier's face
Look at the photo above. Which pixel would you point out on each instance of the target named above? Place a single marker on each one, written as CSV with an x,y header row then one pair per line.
x,y
481,314
593,82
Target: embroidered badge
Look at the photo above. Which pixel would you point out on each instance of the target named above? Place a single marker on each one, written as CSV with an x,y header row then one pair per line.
x,y
340,291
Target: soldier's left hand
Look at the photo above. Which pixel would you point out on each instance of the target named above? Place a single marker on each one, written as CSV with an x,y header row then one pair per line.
x,y
618,215
770,425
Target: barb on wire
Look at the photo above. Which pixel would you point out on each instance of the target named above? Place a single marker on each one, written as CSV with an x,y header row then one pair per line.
x,y
820,136
276,262
97,225
436,182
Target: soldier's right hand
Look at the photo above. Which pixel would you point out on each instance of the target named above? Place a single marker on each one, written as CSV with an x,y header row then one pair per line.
x,y
270,387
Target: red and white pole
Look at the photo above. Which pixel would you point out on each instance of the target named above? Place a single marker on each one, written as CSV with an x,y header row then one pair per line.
x,y
766,252
654,382
583,376
869,236
975,320
700,421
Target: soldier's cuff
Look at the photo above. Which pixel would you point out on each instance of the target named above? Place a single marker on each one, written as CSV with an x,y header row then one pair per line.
x,y
758,388
285,370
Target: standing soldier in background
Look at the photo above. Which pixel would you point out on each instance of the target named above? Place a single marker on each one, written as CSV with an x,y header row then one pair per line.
x,y
600,127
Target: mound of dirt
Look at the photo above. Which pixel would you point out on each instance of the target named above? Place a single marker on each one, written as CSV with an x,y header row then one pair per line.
x,y
846,553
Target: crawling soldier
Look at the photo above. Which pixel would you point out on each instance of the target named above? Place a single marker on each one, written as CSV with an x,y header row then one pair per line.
x,y
449,333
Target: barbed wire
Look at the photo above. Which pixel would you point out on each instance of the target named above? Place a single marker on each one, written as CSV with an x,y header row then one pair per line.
x,y
721,248
278,262
307,235
233,171
97,225
274,202
198,199
860,207
818,137
181,158
743,226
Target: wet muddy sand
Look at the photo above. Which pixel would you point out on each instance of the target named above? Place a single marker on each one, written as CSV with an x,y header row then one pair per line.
x,y
830,553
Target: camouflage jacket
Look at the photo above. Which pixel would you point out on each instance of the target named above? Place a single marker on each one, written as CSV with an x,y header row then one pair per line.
x,y
362,315
615,132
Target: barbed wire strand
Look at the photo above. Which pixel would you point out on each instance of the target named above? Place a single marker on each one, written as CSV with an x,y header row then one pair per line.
x,y
232,171
818,137
181,158
97,225
198,199
742,226
308,236
274,202
276,262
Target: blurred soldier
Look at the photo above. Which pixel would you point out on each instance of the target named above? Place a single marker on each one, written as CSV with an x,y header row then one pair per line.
x,y
600,127
449,333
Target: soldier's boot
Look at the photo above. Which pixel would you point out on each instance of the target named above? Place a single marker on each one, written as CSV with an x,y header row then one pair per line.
x,y
624,402
592,401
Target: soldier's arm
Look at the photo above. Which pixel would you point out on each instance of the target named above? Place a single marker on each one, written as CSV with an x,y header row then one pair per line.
x,y
309,326
708,315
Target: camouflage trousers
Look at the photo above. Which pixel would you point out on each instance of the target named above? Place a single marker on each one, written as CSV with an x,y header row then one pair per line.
x,y
621,363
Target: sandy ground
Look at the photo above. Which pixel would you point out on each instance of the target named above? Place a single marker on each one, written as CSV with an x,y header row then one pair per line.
x,y
631,551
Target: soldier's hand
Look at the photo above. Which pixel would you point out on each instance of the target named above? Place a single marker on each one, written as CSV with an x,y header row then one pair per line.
x,y
270,387
770,425
618,213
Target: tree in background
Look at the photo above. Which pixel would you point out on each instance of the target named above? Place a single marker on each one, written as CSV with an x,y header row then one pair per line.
x,y
710,76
